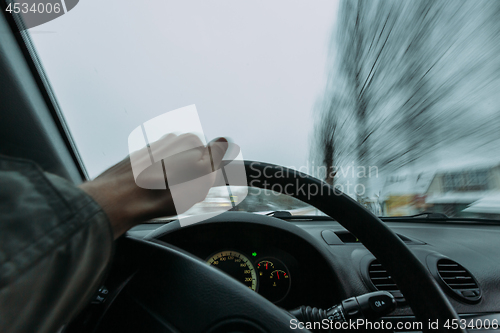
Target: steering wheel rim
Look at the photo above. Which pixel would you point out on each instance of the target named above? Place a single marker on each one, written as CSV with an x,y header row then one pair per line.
x,y
421,290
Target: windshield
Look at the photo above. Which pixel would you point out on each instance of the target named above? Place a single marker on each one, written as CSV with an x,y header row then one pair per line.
x,y
394,103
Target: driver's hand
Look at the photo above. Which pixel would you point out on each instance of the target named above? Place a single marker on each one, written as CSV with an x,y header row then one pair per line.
x,y
129,200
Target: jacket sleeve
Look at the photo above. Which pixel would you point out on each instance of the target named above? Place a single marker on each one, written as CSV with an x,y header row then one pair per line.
x,y
55,245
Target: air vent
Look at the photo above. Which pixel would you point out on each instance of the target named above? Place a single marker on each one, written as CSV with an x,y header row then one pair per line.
x,y
459,280
383,281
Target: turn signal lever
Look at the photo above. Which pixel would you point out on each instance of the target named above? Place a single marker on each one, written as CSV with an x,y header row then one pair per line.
x,y
368,306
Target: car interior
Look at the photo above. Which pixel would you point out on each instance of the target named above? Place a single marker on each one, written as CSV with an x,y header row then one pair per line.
x,y
245,272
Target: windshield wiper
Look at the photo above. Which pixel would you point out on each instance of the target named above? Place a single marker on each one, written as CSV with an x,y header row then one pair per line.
x,y
286,215
430,216
427,217
280,214
438,217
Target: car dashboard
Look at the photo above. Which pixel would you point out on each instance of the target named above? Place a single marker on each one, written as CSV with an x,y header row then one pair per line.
x,y
303,261
287,270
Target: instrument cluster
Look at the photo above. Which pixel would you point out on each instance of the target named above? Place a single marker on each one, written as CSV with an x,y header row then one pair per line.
x,y
265,274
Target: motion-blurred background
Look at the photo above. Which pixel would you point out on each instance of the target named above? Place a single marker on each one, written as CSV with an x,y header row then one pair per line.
x,y
413,90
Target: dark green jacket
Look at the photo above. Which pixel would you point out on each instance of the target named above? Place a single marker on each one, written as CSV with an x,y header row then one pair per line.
x,y
55,244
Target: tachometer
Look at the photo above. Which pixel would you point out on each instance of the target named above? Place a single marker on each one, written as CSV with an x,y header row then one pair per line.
x,y
236,265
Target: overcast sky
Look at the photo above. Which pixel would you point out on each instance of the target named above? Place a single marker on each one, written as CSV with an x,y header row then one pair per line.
x,y
254,69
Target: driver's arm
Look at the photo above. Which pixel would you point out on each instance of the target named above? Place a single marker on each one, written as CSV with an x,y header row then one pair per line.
x,y
55,244
56,239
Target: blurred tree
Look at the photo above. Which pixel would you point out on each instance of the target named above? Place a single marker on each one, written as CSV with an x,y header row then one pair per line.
x,y
408,80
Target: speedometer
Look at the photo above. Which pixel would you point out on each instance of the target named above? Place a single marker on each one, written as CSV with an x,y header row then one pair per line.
x,y
236,265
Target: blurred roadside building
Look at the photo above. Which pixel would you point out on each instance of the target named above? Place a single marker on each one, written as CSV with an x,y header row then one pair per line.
x,y
466,192
404,195
461,192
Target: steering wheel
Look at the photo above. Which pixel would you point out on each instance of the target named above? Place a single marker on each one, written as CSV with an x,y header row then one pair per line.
x,y
188,295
